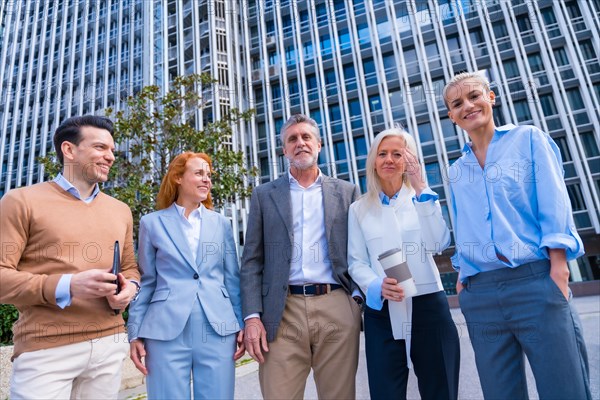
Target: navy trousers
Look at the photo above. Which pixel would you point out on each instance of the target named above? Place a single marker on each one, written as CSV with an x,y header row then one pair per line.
x,y
435,351
513,312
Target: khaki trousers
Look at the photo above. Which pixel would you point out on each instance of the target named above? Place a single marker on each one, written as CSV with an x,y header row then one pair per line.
x,y
318,332
85,370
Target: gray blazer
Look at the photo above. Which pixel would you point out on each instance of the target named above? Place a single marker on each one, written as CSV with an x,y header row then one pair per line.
x,y
269,242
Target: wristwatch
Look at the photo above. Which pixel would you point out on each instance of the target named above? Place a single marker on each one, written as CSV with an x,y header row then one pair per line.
x,y
137,292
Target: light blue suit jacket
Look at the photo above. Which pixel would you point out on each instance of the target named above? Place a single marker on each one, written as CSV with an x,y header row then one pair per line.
x,y
172,281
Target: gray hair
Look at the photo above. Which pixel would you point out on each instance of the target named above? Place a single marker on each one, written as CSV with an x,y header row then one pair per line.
x,y
299,119
478,76
373,181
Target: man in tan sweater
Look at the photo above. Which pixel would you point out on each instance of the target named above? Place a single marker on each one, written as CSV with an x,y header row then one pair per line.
x,y
57,246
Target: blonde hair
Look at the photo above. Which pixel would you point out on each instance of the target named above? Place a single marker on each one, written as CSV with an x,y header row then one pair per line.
x,y
477,76
373,181
169,188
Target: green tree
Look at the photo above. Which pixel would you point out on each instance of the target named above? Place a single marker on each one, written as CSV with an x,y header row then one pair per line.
x,y
153,128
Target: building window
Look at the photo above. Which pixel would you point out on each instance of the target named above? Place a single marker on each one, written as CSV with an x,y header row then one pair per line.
x,y
524,23
339,152
330,77
587,48
350,76
522,110
589,144
273,58
561,57
573,9
383,30
580,215
369,70
364,35
575,99
511,69
535,62
290,55
375,103
276,92
548,15
548,105
311,81
450,137
309,51
500,30
325,44
433,55
344,39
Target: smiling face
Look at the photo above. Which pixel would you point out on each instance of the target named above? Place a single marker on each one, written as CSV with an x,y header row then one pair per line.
x,y
389,163
90,160
194,184
301,147
470,106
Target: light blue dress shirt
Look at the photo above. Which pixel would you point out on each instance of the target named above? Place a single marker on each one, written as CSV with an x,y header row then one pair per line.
x,y
517,206
374,299
63,291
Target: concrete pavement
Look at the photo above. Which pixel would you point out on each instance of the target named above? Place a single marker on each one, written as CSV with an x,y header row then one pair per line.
x,y
246,385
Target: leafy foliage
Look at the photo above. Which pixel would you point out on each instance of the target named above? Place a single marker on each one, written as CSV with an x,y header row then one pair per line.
x,y
8,316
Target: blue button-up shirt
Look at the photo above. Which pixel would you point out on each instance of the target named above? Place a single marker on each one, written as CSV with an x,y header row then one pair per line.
x,y
515,208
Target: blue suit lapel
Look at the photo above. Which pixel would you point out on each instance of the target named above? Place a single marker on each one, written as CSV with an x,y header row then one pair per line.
x,y
172,224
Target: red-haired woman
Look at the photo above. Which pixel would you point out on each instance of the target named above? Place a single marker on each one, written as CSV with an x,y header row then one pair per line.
x,y
188,314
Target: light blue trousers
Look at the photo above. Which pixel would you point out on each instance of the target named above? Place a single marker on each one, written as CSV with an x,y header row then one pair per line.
x,y
517,312
198,352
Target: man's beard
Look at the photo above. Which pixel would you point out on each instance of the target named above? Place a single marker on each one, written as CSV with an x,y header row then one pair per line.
x,y
304,164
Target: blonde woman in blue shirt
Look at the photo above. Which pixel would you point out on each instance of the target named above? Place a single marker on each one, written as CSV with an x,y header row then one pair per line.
x,y
514,234
400,211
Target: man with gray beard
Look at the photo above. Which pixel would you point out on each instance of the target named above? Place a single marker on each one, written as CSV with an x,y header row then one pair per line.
x,y
300,306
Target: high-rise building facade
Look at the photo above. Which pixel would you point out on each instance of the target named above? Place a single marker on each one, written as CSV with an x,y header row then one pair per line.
x,y
57,59
361,66
355,66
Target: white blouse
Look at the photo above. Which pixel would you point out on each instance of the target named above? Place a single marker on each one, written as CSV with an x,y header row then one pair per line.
x,y
418,228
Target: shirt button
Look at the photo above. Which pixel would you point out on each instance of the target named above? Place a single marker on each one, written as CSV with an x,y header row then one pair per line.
x,y
196,276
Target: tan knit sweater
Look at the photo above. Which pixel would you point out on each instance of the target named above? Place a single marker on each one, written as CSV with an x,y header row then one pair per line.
x,y
46,232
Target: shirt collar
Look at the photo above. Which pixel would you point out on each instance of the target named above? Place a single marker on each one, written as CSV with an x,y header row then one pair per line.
x,y
61,181
498,131
385,200
195,213
294,181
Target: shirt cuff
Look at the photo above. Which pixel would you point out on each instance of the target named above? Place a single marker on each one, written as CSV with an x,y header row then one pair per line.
x,y
63,291
374,299
253,315
426,195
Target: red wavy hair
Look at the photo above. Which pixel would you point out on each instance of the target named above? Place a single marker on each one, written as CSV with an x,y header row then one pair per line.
x,y
168,192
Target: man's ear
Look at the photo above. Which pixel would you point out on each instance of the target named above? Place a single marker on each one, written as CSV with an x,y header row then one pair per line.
x,y
67,150
492,97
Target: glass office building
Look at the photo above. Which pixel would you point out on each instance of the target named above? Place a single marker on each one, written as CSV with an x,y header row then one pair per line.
x,y
359,67
356,66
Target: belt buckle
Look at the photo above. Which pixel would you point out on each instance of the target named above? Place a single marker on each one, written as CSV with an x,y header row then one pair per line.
x,y
304,290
